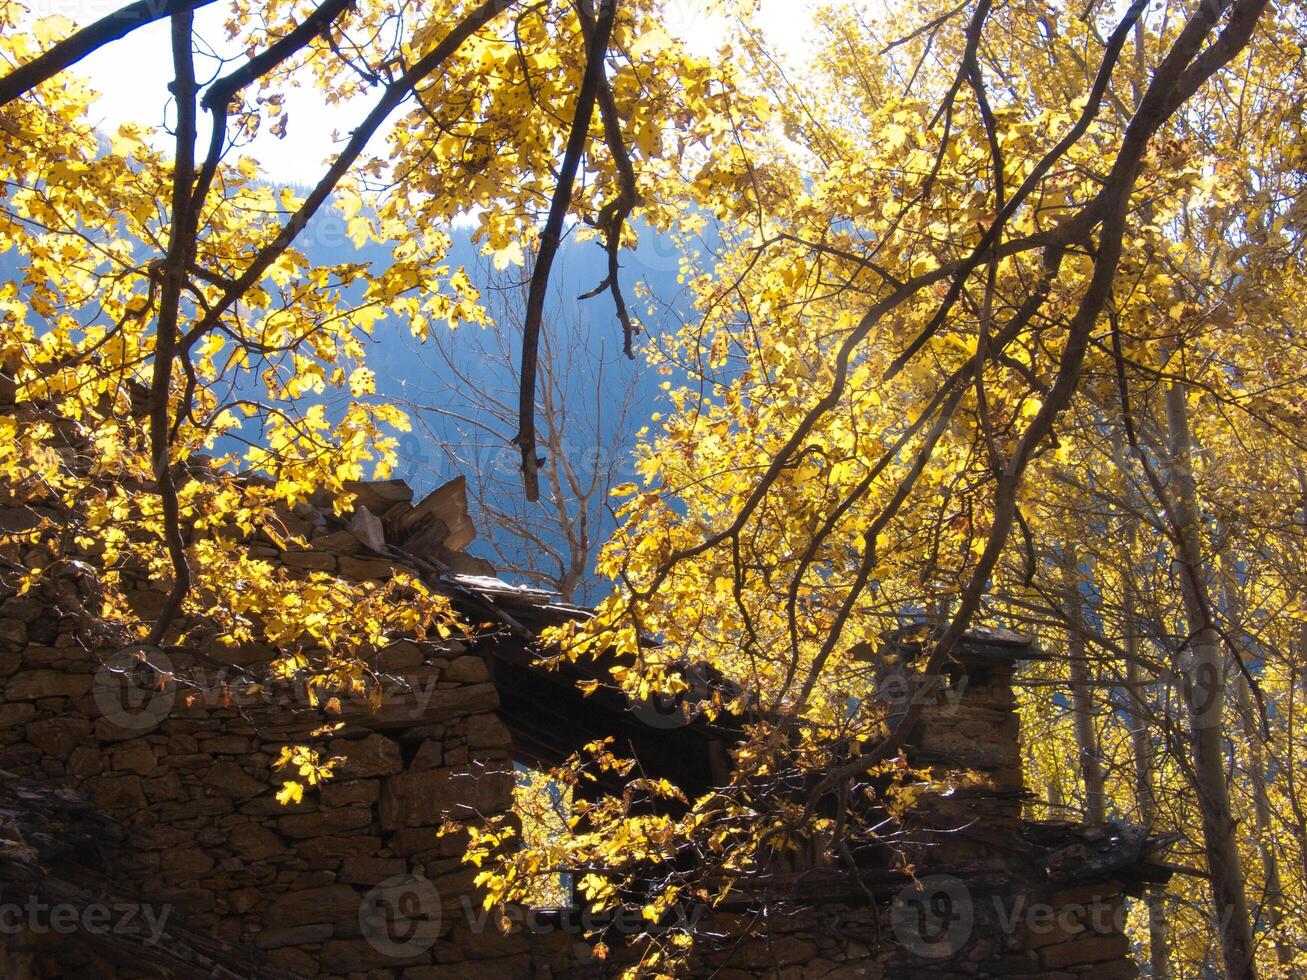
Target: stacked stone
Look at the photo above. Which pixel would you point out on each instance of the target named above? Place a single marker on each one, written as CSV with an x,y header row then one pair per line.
x,y
188,771
968,741
1021,931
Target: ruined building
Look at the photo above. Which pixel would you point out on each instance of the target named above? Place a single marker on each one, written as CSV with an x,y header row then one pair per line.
x,y
140,835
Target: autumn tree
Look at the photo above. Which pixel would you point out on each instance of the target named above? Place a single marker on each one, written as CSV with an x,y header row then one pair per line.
x,y
172,360
957,256
467,414
983,219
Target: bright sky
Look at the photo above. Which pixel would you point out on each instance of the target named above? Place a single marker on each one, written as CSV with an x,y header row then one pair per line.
x,y
132,73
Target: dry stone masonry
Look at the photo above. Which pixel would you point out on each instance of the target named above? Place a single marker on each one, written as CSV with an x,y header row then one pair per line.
x,y
149,784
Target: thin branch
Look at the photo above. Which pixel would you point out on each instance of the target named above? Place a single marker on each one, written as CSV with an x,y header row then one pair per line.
x,y
550,238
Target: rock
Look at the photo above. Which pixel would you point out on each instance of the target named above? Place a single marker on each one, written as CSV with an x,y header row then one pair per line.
x,y
85,761
424,705
420,841
344,956
415,799
188,862
294,936
487,732
379,495
309,906
367,528
135,755
166,787
429,756
1088,950
335,793
336,848
114,792
509,966
362,569
13,715
13,633
25,608
447,505
309,561
374,755
255,842
324,822
226,745
34,684
244,899
338,542
466,670
295,961
400,656
227,778
58,736
370,870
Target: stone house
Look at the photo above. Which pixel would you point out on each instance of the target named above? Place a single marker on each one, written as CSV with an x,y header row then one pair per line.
x,y
140,835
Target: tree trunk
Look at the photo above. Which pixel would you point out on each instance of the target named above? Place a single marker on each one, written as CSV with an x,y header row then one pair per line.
x,y
1159,956
1141,744
1272,909
1082,707
1203,687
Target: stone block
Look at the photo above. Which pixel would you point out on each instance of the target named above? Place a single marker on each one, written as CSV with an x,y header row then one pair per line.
x,y
429,756
339,542
336,793
336,847
134,755
416,799
374,755
119,792
466,670
309,561
1091,948
32,685
325,822
255,842
370,870
294,936
13,715
363,569
312,906
58,736
486,731
342,956
227,778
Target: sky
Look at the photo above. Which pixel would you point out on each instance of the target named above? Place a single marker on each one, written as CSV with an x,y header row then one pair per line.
x,y
132,73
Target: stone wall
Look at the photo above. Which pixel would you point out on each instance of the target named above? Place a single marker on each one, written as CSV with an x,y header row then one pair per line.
x,y
178,750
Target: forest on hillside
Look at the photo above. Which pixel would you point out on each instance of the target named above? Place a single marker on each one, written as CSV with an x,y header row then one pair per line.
x,y
980,313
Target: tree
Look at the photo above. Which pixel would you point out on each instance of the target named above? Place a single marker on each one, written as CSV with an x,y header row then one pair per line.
x,y
585,402
967,238
956,255
165,311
